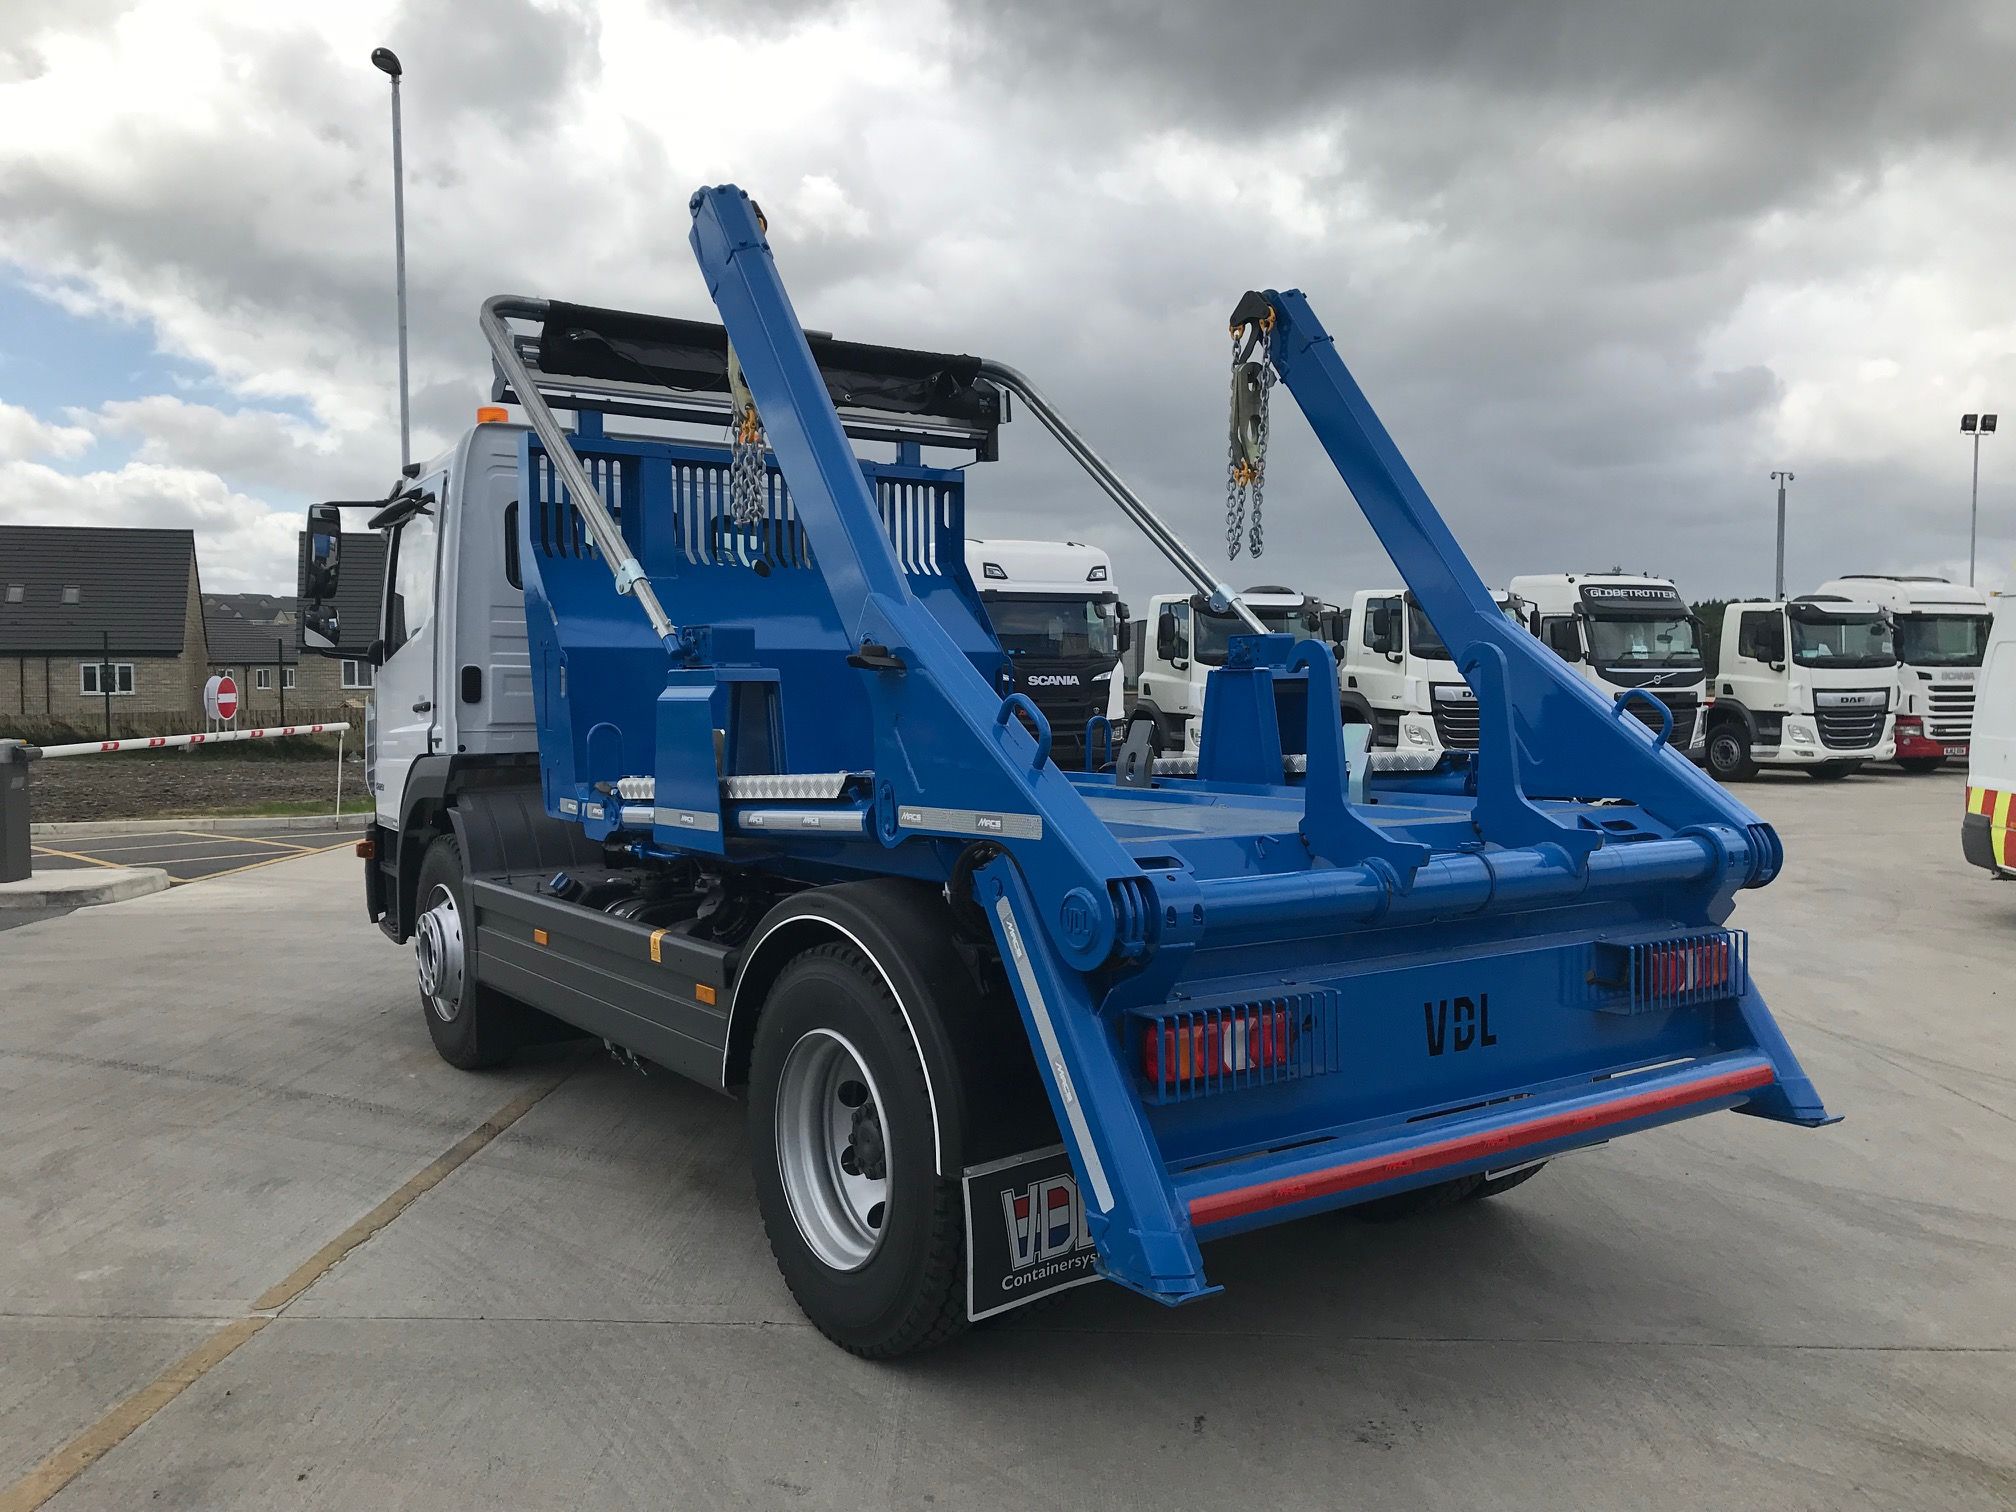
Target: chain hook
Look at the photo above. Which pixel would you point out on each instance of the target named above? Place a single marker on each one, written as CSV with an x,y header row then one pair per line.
x,y
1246,451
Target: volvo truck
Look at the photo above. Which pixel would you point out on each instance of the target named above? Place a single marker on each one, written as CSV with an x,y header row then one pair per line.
x,y
1942,636
1808,684
712,752
1053,606
1625,635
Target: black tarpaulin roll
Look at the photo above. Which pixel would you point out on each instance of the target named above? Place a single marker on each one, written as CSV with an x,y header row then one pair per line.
x,y
580,341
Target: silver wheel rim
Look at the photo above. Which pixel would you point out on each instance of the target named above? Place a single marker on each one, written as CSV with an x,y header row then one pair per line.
x,y
832,1150
437,952
1722,750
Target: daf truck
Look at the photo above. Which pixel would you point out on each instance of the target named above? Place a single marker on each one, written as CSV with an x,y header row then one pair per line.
x,y
710,751
1942,637
1400,678
1808,684
1624,635
1053,606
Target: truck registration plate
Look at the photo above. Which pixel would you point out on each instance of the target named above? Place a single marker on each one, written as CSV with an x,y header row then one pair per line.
x,y
1956,750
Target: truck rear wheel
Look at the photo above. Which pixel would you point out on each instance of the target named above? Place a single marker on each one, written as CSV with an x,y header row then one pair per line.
x,y
473,1027
870,1240
1729,753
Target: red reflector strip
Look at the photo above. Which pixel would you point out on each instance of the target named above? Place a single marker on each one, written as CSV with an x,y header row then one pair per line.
x,y
1241,1202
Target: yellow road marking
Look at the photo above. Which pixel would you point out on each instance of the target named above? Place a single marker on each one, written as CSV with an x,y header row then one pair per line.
x,y
243,839
232,871
50,850
64,1465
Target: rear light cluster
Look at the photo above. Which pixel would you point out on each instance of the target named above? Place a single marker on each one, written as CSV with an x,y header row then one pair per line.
x,y
1220,1045
1670,970
1680,971
1198,1047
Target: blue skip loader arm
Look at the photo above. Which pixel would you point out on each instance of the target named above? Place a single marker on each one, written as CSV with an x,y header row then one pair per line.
x,y
1248,995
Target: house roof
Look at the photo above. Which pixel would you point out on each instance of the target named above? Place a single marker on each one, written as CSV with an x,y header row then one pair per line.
x,y
260,608
132,586
240,641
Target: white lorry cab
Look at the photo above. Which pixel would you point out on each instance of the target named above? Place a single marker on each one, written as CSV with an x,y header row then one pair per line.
x,y
1183,640
1942,634
1401,679
1991,760
1810,683
1622,633
1055,611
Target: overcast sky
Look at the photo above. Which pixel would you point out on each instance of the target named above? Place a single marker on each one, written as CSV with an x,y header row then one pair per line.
x,y
1600,264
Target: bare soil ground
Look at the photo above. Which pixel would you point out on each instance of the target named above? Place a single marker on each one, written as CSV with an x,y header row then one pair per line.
x,y
177,784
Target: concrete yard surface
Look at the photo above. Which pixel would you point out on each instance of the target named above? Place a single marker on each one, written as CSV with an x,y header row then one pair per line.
x,y
393,1285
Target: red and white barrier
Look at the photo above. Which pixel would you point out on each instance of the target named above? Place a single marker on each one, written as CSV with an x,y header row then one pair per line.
x,y
165,742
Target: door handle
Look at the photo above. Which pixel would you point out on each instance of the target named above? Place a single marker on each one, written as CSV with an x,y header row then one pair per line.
x,y
424,706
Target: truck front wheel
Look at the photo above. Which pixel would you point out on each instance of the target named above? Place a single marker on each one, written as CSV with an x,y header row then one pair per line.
x,y
473,1027
1729,753
870,1240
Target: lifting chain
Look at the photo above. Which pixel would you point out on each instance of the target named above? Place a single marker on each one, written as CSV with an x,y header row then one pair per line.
x,y
1246,452
747,475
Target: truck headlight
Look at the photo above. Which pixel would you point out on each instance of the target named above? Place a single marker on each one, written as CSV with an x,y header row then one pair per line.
x,y
1800,730
1418,736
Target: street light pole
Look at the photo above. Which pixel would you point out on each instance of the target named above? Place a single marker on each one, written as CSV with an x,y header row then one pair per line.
x,y
1781,478
386,62
1976,426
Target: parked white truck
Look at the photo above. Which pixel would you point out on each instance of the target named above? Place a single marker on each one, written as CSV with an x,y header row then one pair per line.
x,y
1810,684
1054,608
1624,632
1942,634
1179,641
1400,678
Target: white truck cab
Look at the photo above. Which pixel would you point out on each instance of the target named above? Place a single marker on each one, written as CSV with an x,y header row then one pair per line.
x,y
1054,608
1180,641
1942,636
1810,683
1399,677
1623,632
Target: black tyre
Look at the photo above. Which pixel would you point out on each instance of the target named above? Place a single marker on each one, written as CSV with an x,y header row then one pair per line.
x,y
1419,1201
472,1026
870,1240
1833,771
1729,753
1492,1186
1921,764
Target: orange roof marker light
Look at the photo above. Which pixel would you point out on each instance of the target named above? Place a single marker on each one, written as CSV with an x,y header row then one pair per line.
x,y
492,414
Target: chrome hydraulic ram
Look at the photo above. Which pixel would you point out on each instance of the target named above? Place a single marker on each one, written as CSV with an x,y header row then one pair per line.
x,y
608,537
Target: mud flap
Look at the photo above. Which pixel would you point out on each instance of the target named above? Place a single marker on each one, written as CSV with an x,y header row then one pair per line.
x,y
1025,1232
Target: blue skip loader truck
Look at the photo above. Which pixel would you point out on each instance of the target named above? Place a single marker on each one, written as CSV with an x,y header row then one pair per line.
x,y
705,748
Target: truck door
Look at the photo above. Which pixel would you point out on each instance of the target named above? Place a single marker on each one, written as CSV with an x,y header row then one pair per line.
x,y
408,719
1755,674
1380,665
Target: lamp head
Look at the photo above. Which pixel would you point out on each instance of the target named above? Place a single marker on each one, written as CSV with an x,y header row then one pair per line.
x,y
385,61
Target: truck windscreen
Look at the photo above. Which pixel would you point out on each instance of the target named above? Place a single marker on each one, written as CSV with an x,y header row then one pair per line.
x,y
1842,641
1643,640
1057,628
1215,632
1942,640
1422,641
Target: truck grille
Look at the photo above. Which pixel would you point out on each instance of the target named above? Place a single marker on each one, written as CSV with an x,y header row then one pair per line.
x,y
1455,718
1950,709
1850,729
1685,707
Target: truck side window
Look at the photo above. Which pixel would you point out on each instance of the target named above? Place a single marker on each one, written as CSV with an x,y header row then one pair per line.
x,y
1760,635
1558,630
409,583
1381,619
512,575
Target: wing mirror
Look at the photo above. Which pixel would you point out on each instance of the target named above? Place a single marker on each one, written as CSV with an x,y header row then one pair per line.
x,y
320,567
321,628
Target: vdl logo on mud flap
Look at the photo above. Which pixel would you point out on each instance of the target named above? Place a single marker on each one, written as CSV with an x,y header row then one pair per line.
x,y
1045,1221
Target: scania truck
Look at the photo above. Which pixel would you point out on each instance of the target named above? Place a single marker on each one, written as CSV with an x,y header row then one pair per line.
x,y
1942,636
711,751
1624,634
1809,684
1053,606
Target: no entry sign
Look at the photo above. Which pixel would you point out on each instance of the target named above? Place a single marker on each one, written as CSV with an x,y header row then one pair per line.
x,y
220,698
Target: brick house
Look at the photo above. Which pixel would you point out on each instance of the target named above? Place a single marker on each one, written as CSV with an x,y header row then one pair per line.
x,y
98,618
256,638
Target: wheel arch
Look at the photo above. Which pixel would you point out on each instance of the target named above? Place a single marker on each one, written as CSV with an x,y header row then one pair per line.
x,y
1727,710
954,1015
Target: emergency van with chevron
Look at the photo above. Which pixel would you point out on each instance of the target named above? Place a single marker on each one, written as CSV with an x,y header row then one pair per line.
x,y
1991,761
